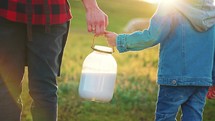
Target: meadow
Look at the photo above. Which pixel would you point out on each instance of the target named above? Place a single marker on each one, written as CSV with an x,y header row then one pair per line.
x,y
135,90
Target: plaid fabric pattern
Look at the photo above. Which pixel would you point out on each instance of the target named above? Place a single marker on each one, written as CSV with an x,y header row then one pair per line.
x,y
41,12
211,93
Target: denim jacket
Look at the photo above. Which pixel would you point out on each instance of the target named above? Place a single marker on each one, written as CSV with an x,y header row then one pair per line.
x,y
187,42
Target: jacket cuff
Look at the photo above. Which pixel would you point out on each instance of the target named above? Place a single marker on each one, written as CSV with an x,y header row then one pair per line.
x,y
121,43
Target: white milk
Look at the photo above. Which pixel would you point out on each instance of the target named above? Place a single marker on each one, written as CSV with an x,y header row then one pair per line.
x,y
97,86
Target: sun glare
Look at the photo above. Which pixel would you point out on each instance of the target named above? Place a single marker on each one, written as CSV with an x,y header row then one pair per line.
x,y
151,1
167,2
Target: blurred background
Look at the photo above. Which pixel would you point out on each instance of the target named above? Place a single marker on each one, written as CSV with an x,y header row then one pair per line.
x,y
135,90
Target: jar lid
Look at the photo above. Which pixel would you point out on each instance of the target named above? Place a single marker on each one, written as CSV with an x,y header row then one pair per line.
x,y
103,49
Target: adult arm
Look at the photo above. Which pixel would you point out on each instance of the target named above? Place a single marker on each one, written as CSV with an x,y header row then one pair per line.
x,y
97,20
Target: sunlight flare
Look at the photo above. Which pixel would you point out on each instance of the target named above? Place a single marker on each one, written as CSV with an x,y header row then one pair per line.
x,y
151,1
157,1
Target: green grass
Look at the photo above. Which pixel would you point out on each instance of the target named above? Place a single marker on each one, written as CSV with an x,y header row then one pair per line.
x,y
135,90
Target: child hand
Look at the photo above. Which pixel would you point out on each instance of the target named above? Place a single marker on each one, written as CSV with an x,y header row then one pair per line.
x,y
211,93
111,38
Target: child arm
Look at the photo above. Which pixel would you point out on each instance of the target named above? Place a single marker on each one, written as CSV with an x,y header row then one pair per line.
x,y
160,27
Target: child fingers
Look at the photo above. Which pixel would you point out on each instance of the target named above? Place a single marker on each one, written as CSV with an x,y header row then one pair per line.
x,y
108,34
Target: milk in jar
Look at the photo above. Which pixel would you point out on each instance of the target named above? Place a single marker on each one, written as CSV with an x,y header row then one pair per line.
x,y
98,75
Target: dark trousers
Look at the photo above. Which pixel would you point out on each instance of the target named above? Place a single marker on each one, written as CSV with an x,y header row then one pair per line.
x,y
43,57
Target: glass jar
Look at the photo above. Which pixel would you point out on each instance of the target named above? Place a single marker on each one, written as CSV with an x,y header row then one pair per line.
x,y
98,75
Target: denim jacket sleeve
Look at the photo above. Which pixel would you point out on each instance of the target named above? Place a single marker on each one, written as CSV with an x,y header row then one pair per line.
x,y
160,26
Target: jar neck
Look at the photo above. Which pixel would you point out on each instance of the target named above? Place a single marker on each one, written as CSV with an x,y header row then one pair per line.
x,y
102,51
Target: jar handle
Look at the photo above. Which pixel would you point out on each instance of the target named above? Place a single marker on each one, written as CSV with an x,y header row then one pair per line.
x,y
93,47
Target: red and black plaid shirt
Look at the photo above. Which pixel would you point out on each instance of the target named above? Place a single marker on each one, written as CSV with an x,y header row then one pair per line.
x,y
36,12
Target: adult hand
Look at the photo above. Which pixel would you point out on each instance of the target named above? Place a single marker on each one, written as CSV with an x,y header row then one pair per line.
x,y
97,20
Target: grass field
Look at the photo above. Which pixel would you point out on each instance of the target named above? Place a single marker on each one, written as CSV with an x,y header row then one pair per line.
x,y
136,89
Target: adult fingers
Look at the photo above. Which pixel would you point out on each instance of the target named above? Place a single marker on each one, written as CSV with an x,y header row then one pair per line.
x,y
100,30
106,21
